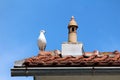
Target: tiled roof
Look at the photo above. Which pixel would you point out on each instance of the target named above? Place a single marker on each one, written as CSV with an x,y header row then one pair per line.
x,y
88,59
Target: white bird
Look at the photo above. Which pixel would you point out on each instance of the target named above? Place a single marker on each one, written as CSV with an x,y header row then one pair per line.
x,y
42,41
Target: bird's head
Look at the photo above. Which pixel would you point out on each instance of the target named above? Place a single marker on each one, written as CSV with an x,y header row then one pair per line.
x,y
42,31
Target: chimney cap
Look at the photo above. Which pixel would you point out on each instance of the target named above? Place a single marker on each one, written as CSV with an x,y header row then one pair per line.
x,y
72,22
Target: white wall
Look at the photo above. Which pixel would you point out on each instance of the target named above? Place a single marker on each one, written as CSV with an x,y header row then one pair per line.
x,y
83,77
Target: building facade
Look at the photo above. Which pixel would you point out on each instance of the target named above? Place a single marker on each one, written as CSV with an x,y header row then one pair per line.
x,y
71,62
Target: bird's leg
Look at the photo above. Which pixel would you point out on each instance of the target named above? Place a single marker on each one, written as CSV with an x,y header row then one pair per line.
x,y
41,49
44,47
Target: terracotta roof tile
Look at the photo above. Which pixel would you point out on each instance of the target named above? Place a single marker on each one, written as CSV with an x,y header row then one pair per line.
x,y
49,59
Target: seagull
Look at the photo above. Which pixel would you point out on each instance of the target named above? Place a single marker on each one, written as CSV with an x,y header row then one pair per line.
x,y
42,41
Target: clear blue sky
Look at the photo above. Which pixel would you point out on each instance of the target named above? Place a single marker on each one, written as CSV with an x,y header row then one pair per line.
x,y
21,21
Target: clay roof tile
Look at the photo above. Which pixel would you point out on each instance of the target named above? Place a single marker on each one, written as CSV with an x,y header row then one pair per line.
x,y
46,59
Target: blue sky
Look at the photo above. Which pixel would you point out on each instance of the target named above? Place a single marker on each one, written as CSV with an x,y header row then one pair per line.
x,y
21,21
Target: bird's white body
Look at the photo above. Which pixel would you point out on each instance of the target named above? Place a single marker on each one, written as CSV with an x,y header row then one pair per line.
x,y
42,41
